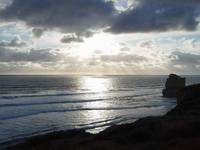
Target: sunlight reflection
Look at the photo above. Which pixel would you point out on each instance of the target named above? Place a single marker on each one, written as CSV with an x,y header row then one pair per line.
x,y
100,86
95,84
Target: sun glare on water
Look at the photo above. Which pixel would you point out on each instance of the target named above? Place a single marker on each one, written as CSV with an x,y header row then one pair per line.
x,y
98,107
93,84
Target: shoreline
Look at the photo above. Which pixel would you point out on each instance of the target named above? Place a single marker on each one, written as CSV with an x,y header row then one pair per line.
x,y
179,129
90,130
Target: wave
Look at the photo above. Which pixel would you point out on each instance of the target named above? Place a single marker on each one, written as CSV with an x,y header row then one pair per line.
x,y
39,95
107,122
46,94
65,93
76,109
71,101
48,102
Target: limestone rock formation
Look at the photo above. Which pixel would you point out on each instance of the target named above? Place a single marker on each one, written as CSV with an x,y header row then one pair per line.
x,y
173,84
188,94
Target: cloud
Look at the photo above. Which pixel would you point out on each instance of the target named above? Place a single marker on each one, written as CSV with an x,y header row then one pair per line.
x,y
78,16
185,1
158,15
125,49
71,38
71,16
77,37
124,58
38,32
146,44
183,63
13,61
97,52
4,3
85,34
15,43
42,55
191,43
180,58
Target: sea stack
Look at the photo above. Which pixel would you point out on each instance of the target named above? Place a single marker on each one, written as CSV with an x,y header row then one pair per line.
x,y
173,84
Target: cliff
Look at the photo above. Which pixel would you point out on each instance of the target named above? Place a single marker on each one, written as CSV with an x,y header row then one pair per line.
x,y
173,84
179,129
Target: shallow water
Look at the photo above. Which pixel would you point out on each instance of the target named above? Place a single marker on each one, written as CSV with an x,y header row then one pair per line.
x,y
31,105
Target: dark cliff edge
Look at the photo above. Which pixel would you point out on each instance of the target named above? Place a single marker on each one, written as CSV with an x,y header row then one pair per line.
x,y
179,129
173,84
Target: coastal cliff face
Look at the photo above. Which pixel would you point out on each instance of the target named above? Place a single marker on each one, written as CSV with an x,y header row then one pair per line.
x,y
179,129
173,84
189,93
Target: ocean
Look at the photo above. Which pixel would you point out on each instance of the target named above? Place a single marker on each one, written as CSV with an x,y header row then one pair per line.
x,y
33,105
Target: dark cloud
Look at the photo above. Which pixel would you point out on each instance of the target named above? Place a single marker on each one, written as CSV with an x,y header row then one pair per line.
x,y
42,55
38,32
15,43
77,37
66,15
185,1
80,16
71,38
158,15
86,34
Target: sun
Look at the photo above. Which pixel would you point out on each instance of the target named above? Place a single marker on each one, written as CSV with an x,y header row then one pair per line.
x,y
102,42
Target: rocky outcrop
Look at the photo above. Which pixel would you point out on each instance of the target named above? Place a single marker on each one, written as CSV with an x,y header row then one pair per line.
x,y
173,84
188,94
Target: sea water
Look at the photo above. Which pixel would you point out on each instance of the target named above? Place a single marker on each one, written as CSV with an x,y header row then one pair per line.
x,y
33,105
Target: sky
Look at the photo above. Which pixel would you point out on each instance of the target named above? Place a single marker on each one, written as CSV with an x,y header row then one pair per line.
x,y
100,37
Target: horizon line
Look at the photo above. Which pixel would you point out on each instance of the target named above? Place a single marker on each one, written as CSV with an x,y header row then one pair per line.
x,y
97,74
